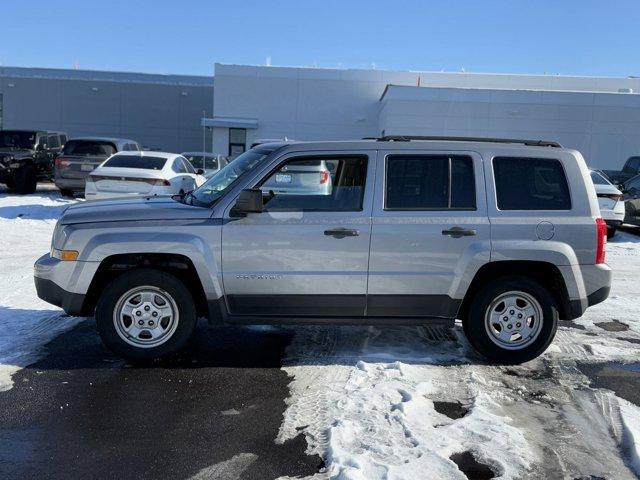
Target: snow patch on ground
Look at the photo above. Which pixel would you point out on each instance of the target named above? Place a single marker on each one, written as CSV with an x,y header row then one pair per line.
x,y
26,322
630,415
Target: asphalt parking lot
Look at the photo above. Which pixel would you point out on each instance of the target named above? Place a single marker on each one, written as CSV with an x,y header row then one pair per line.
x,y
214,411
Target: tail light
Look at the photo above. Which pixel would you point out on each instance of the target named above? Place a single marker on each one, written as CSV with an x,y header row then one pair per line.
x,y
612,196
324,177
62,162
601,232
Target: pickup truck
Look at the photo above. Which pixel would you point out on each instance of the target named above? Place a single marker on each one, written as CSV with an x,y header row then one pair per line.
x,y
631,169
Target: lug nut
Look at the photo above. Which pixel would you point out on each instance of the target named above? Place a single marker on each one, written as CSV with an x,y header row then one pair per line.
x,y
519,315
511,312
140,322
154,314
509,327
518,324
147,308
505,318
151,323
138,312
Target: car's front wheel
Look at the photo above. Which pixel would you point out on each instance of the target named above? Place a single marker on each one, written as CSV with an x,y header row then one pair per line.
x,y
145,314
511,320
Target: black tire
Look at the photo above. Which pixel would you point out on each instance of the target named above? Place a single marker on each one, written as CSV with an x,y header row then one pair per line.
x,y
10,183
66,193
108,301
25,180
611,232
479,338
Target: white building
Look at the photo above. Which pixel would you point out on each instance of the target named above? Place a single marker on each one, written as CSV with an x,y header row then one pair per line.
x,y
598,116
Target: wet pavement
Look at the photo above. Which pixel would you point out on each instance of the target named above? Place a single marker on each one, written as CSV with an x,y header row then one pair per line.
x,y
212,412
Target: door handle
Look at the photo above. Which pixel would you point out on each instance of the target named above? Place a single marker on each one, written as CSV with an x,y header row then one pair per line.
x,y
458,232
341,232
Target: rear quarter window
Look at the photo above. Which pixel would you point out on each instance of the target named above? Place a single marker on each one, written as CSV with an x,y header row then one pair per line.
x,y
530,184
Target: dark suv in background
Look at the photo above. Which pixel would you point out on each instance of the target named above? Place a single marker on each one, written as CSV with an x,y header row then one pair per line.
x,y
80,156
27,156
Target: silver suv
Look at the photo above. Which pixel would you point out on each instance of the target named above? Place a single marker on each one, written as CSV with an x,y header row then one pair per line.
x,y
504,235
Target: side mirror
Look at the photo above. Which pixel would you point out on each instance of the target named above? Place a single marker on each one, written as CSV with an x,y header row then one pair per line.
x,y
249,201
200,171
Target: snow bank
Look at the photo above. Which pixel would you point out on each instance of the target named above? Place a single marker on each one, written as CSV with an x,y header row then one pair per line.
x,y
630,415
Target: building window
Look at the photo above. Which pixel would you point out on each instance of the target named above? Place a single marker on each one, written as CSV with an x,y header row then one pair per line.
x,y
237,141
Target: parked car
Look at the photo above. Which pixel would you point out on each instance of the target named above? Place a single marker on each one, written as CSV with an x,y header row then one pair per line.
x,y
631,169
504,235
26,156
127,174
631,199
80,156
209,162
610,201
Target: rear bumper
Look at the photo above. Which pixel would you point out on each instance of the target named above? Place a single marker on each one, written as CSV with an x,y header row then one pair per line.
x,y
597,286
52,293
75,184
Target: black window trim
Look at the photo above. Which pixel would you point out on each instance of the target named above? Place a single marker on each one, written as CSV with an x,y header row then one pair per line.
x,y
319,156
449,155
526,157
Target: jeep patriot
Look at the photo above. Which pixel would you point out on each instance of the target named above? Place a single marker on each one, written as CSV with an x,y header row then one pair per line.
x,y
504,235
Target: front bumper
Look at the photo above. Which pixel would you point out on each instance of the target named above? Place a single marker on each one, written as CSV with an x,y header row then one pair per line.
x,y
64,284
71,303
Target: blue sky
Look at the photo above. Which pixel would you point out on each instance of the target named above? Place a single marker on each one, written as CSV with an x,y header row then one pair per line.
x,y
562,36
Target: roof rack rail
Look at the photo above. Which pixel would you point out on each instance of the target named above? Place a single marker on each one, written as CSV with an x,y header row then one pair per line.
x,y
407,138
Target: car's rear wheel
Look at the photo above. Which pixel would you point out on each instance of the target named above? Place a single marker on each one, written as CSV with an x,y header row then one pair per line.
x,y
25,180
511,320
10,183
145,314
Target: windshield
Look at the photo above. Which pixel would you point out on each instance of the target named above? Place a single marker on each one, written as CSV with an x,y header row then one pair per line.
x,y
214,188
13,139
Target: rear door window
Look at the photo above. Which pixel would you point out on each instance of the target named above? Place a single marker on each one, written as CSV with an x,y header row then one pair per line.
x,y
136,161
178,166
429,182
530,184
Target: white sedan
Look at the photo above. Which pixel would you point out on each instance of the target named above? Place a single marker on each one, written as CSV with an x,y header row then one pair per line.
x,y
610,199
127,174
